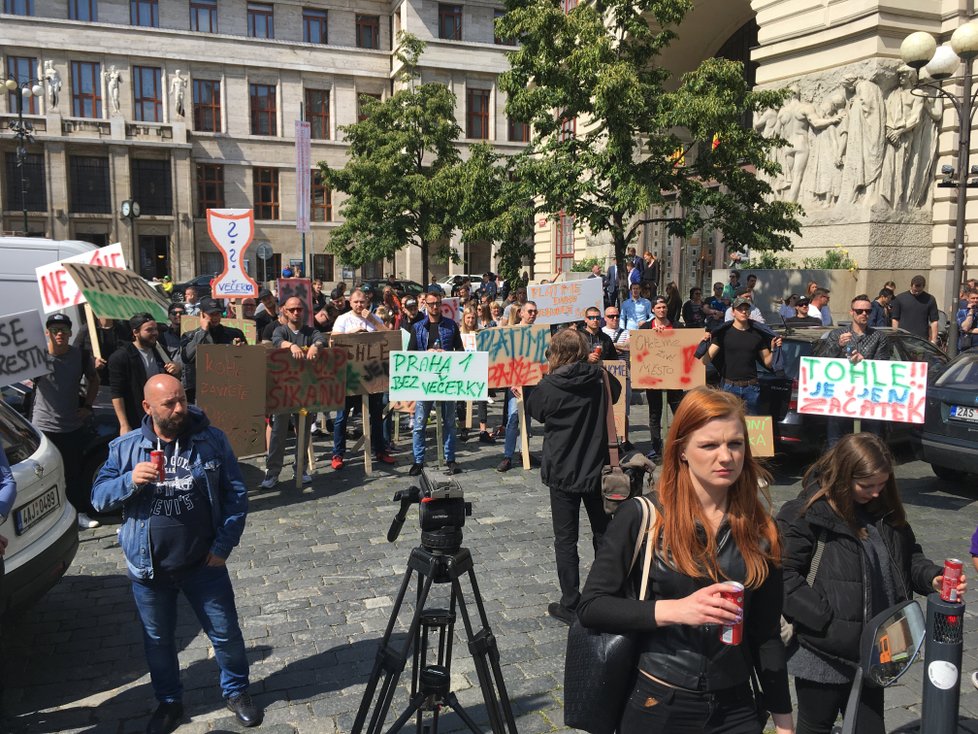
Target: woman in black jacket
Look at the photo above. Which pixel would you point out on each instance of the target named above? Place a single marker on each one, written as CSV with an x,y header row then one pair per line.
x,y
712,527
570,403
871,561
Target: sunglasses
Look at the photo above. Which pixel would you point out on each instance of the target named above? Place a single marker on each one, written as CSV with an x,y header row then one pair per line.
x,y
611,316
429,304
295,310
59,329
531,310
592,318
866,311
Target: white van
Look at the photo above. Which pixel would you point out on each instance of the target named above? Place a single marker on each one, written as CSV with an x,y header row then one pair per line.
x,y
19,258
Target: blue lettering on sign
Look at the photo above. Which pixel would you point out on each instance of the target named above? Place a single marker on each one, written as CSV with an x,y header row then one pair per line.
x,y
232,256
236,287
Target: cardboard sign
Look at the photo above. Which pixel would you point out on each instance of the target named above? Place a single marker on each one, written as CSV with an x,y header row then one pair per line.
x,y
231,390
231,231
189,323
439,376
403,406
874,389
760,435
663,360
114,293
470,341
59,291
618,370
23,347
517,354
314,384
561,303
300,288
368,355
451,308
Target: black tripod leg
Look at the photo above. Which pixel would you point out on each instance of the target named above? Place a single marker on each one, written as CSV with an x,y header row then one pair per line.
x,y
413,706
452,700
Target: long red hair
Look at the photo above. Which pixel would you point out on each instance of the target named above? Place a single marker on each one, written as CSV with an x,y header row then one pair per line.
x,y
752,527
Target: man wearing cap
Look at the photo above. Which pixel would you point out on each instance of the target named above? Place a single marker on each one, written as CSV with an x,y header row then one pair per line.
x,y
57,413
210,331
410,313
170,333
755,312
801,317
267,310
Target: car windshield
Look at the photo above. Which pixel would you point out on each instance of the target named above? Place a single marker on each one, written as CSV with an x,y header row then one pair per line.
x,y
791,351
19,439
962,373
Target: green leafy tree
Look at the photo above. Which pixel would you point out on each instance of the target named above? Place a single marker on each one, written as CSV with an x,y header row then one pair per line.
x,y
613,138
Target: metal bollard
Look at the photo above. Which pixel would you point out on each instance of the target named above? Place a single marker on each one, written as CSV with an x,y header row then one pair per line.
x,y
942,666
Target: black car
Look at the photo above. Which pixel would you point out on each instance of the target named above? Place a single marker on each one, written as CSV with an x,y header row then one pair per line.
x,y
401,287
202,283
949,437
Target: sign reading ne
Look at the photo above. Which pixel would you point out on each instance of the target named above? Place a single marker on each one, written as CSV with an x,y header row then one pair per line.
x,y
760,435
314,384
560,303
872,389
189,323
664,360
23,347
231,231
231,390
517,354
58,290
618,370
368,359
114,293
439,376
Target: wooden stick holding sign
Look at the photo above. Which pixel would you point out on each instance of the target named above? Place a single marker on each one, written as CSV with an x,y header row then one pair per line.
x,y
524,438
93,332
365,418
300,454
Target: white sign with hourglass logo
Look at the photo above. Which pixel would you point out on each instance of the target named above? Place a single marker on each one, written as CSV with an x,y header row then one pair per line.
x,y
231,230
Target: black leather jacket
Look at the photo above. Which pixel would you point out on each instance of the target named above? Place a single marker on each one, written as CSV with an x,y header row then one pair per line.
x,y
683,655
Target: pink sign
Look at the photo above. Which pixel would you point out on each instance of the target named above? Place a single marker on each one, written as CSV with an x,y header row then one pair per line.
x,y
59,291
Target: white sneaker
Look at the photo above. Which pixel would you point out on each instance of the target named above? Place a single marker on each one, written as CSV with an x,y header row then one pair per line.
x,y
269,481
974,679
87,523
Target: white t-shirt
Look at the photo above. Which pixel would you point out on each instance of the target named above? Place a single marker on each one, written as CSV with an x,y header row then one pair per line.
x,y
349,323
149,362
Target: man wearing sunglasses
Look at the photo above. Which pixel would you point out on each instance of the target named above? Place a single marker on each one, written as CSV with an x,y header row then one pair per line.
x,y
602,347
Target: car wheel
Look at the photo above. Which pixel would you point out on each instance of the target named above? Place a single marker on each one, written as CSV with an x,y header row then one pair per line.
x,y
946,473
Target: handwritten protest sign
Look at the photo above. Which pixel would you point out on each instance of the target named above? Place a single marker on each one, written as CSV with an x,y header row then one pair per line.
x,y
23,347
451,309
560,303
314,384
59,291
231,231
403,406
231,390
517,354
470,341
439,375
760,435
114,293
368,359
663,360
189,323
618,370
873,389
300,288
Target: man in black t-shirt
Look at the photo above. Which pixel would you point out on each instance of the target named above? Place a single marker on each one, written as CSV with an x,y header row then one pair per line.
x,y
915,311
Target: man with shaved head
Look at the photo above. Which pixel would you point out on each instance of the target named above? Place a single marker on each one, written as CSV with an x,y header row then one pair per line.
x,y
180,524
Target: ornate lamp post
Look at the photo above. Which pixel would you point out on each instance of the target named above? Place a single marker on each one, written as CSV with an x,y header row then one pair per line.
x,y
942,64
23,131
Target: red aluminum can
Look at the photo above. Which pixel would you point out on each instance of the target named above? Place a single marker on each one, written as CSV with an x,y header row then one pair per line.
x,y
733,634
952,577
157,458
598,350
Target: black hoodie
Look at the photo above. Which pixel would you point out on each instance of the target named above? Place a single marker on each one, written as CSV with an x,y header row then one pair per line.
x,y
570,403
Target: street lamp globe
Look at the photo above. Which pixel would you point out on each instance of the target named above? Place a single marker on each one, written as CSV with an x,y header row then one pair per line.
x,y
964,40
944,63
37,90
10,84
917,49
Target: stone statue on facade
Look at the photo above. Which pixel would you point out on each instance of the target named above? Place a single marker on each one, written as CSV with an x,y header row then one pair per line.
x,y
178,91
923,146
113,78
861,142
53,79
903,115
825,175
797,119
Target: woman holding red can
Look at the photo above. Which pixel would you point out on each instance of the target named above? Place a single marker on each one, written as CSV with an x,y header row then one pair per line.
x,y
711,621
870,560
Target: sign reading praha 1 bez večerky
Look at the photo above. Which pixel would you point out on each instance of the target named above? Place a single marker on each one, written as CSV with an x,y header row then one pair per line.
x,y
114,293
439,376
872,389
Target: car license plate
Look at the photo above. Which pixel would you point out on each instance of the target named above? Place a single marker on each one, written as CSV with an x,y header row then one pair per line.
x,y
964,413
33,512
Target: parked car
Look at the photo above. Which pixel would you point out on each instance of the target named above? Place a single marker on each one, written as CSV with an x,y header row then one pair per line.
x,y
452,282
401,287
202,283
949,437
42,527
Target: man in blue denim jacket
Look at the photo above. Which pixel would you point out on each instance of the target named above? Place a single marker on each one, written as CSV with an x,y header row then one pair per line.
x,y
177,533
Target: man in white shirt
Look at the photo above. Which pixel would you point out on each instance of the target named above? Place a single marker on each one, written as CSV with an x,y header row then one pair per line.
x,y
819,306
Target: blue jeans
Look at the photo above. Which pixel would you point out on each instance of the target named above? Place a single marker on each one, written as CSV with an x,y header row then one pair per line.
x,y
375,406
208,590
750,394
421,411
513,421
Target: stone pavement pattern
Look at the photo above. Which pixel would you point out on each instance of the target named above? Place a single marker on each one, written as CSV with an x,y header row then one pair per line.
x,y
315,582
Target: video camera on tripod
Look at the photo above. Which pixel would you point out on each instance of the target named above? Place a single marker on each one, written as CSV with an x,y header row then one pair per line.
x,y
442,510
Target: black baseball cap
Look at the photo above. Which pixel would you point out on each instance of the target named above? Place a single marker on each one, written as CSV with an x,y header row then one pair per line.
x,y
57,319
210,305
263,294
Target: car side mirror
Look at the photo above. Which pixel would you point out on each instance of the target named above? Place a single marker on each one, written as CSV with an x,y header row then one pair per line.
x,y
891,642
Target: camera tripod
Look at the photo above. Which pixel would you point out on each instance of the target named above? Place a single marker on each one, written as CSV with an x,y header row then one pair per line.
x,y
431,682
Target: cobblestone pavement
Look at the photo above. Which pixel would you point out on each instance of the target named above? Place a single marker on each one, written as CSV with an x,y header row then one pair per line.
x,y
315,581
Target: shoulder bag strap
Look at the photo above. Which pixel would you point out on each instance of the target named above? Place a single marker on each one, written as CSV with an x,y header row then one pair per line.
x,y
610,419
816,557
638,540
649,545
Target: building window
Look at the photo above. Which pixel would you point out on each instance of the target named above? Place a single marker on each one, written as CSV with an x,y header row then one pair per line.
x,y
322,200
86,89
207,105
27,181
210,187
450,22
147,96
368,31
313,25
88,177
363,101
151,186
263,113
569,5
261,20
266,193
568,128
322,267
497,14
83,10
144,13
203,16
317,113
564,250
519,132
21,69
18,7
477,113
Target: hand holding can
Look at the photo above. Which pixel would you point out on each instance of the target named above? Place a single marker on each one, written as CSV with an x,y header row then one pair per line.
x,y
157,458
733,634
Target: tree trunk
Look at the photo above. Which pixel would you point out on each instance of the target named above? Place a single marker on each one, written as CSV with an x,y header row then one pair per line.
x,y
424,263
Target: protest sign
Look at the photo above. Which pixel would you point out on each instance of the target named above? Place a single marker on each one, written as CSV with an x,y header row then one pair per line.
x,y
517,354
189,323
59,291
664,360
231,390
439,375
368,359
23,347
560,303
231,231
300,288
760,435
402,406
314,384
451,309
470,341
114,293
618,370
873,389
